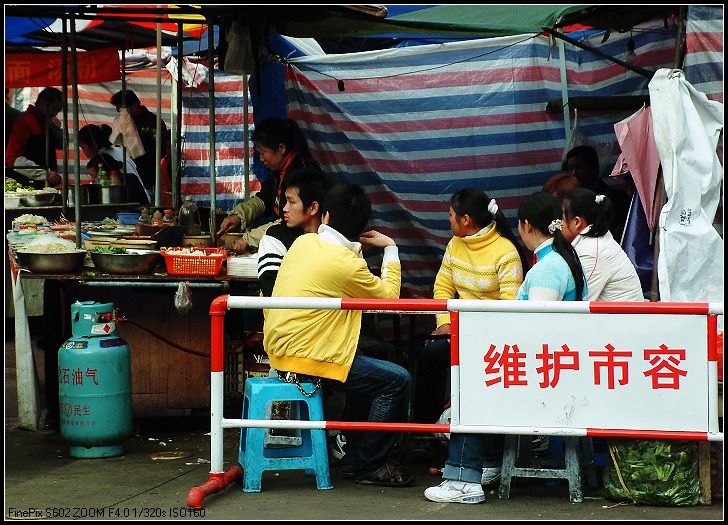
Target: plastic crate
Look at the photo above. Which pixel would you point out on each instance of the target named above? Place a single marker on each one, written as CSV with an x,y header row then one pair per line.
x,y
186,264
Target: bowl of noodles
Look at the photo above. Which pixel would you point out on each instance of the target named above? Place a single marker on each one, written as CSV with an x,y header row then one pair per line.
x,y
54,255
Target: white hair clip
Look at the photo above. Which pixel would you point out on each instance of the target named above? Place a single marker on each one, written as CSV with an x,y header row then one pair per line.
x,y
556,224
599,198
492,207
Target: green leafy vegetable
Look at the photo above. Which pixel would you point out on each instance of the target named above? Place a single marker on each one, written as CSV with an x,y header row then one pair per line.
x,y
108,249
653,472
14,185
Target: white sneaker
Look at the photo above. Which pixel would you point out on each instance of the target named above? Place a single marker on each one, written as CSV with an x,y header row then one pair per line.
x,y
452,491
337,447
490,475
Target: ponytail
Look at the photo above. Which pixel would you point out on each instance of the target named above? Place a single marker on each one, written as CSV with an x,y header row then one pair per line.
x,y
595,209
483,210
543,212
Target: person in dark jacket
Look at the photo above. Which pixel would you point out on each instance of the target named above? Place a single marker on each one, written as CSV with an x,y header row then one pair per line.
x,y
283,149
146,125
30,154
583,163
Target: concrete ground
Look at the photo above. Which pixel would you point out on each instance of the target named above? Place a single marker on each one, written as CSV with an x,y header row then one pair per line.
x,y
165,459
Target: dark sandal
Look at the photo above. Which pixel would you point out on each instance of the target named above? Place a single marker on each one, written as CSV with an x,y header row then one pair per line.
x,y
388,475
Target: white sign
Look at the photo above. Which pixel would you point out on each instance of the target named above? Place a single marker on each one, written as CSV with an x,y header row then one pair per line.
x,y
604,371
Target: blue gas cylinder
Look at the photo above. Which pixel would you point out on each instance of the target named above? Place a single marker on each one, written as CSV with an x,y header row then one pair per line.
x,y
94,383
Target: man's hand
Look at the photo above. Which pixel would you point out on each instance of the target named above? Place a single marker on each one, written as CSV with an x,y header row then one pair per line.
x,y
54,179
374,238
229,223
442,329
239,245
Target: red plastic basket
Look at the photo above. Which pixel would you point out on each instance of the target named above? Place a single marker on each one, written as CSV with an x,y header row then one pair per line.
x,y
187,264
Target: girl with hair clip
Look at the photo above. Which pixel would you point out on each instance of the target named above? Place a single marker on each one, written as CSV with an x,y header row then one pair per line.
x,y
483,260
610,275
282,148
557,274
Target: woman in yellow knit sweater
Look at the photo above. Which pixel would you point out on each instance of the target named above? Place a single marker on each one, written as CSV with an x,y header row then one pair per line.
x,y
483,260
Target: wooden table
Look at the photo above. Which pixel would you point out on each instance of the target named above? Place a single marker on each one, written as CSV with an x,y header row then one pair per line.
x,y
169,350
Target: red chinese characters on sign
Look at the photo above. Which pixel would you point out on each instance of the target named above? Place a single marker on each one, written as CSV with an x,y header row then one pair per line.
x,y
665,372
45,69
609,365
614,361
553,364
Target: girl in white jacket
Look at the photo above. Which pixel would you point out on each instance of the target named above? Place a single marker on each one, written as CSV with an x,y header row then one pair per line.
x,y
609,273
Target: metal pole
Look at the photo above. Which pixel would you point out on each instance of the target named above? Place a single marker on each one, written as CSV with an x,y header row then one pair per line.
x,y
176,164
211,93
564,89
158,155
64,83
662,195
246,136
76,149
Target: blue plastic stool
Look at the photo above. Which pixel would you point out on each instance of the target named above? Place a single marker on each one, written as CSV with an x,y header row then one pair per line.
x,y
254,457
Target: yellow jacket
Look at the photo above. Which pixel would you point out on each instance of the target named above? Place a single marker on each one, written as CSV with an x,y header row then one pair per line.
x,y
323,342
480,266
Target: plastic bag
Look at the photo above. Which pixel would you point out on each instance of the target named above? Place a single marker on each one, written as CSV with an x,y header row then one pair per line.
x,y
183,298
653,472
578,138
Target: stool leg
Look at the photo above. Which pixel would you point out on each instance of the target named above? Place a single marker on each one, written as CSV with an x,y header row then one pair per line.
x,y
510,453
587,458
253,460
321,459
573,469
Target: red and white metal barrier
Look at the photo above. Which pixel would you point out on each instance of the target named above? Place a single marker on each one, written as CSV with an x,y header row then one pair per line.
x,y
642,370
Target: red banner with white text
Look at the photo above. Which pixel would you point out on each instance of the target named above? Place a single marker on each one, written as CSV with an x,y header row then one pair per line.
x,y
44,69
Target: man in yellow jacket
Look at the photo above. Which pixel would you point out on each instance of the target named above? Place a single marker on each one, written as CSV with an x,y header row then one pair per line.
x,y
323,343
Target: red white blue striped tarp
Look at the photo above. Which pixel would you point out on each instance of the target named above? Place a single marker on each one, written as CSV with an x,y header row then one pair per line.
x,y
229,142
413,125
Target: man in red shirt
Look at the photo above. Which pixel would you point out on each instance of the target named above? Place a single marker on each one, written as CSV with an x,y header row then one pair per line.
x,y
33,141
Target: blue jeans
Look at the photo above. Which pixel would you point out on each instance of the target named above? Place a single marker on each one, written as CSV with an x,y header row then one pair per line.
x,y
469,453
377,391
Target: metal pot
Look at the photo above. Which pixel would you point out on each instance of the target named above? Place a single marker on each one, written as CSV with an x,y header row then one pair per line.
x,y
200,241
65,262
89,194
113,194
134,261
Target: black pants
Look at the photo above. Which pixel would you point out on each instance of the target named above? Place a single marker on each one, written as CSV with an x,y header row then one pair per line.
x,y
432,382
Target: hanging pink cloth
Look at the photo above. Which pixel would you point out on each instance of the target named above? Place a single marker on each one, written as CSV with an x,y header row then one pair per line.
x,y
640,158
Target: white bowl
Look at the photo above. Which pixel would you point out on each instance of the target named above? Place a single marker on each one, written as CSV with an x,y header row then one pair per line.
x,y
12,201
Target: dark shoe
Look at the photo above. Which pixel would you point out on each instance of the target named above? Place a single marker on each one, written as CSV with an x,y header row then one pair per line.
x,y
388,475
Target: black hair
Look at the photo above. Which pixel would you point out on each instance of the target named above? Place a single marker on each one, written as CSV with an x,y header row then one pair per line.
x,y
274,131
126,98
583,202
50,95
312,185
95,135
349,209
474,203
540,209
588,153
